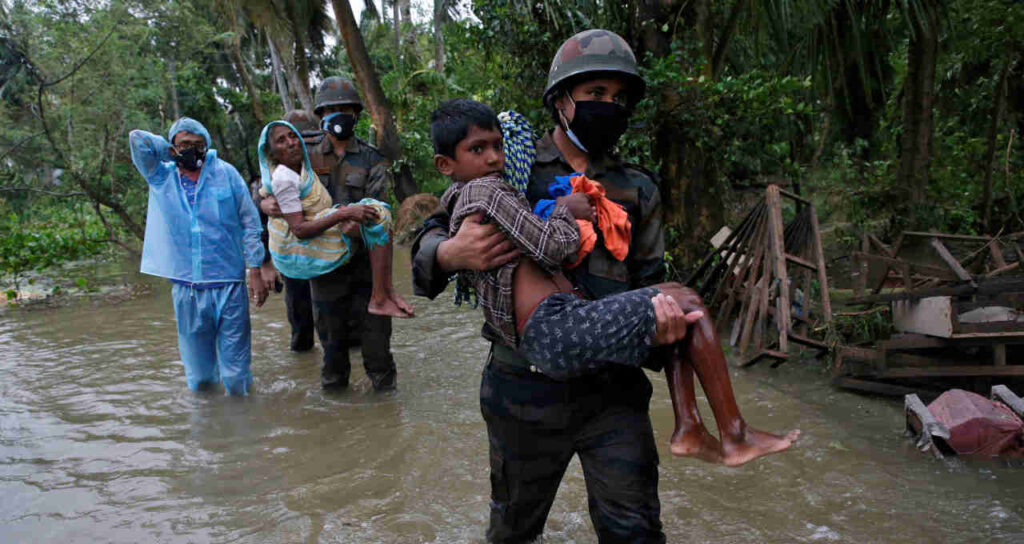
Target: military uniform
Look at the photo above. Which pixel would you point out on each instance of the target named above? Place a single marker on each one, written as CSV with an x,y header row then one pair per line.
x,y
340,297
535,424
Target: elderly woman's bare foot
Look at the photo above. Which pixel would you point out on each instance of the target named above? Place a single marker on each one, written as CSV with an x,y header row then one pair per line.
x,y
390,307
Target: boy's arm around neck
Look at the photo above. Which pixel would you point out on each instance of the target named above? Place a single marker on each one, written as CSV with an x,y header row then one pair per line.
x,y
549,242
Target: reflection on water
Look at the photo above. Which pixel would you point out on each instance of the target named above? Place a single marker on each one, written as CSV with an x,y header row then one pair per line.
x,y
100,441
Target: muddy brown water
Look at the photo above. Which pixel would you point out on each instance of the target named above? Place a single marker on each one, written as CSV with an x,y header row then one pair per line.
x,y
100,441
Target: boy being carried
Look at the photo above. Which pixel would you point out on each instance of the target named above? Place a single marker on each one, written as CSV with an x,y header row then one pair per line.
x,y
530,306
310,239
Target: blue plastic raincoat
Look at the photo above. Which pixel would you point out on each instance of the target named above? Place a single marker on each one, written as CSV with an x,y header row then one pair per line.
x,y
204,248
215,241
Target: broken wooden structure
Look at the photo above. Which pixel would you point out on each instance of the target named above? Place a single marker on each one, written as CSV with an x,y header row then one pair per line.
x,y
760,278
957,311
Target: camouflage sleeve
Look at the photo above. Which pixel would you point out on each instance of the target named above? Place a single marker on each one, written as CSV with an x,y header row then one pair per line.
x,y
379,181
646,260
254,190
428,278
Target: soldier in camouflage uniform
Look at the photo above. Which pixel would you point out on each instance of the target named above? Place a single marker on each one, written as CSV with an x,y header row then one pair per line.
x,y
351,170
535,425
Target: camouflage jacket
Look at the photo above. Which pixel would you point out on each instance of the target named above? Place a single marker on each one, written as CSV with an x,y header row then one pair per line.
x,y
362,172
600,274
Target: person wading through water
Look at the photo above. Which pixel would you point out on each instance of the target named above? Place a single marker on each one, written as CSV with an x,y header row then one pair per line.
x,y
351,170
536,424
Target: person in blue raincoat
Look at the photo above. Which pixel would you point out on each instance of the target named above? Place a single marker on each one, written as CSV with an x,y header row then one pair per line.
x,y
202,232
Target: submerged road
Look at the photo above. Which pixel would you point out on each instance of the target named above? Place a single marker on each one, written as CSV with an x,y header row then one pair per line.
x,y
100,441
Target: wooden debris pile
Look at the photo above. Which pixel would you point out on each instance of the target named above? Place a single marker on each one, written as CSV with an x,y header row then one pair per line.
x,y
957,303
761,279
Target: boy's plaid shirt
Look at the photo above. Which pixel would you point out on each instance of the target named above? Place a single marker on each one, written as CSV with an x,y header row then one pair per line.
x,y
549,243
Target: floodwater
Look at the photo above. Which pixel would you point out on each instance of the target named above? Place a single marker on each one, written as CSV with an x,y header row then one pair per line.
x,y
100,441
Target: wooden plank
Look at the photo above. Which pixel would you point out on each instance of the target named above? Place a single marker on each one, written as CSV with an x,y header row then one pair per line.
x,y
951,372
868,386
1007,336
900,359
809,342
999,355
801,262
708,261
950,261
744,280
762,304
793,196
913,341
991,327
994,286
860,266
769,353
997,254
881,247
778,247
898,264
753,304
1002,269
1003,394
895,251
964,237
921,424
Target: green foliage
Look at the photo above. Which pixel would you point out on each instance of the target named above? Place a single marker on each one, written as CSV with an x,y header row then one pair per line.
x,y
44,235
806,92
858,329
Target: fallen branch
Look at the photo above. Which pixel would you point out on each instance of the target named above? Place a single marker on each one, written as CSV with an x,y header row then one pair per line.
x,y
41,191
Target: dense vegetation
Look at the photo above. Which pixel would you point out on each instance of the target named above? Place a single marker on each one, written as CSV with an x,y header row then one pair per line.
x,y
890,113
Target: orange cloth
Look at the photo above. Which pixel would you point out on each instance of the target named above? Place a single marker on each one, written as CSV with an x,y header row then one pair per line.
x,y
612,220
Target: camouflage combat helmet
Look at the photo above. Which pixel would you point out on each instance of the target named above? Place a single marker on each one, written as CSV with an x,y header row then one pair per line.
x,y
594,51
306,121
336,91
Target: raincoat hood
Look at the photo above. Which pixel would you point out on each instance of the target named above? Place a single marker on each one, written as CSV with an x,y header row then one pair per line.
x,y
267,164
187,124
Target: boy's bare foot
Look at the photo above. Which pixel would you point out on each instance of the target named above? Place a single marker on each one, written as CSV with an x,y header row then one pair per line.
x,y
696,443
755,444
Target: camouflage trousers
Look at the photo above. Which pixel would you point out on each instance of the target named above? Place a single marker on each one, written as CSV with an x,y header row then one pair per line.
x,y
336,296
536,424
299,303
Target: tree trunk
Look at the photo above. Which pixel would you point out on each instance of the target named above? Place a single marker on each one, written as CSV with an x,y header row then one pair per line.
x,y
990,146
406,7
397,21
302,76
282,87
439,36
235,51
693,202
718,58
172,72
300,60
376,102
918,98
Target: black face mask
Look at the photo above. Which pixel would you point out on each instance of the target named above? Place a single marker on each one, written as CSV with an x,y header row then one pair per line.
x,y
190,159
340,125
597,126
